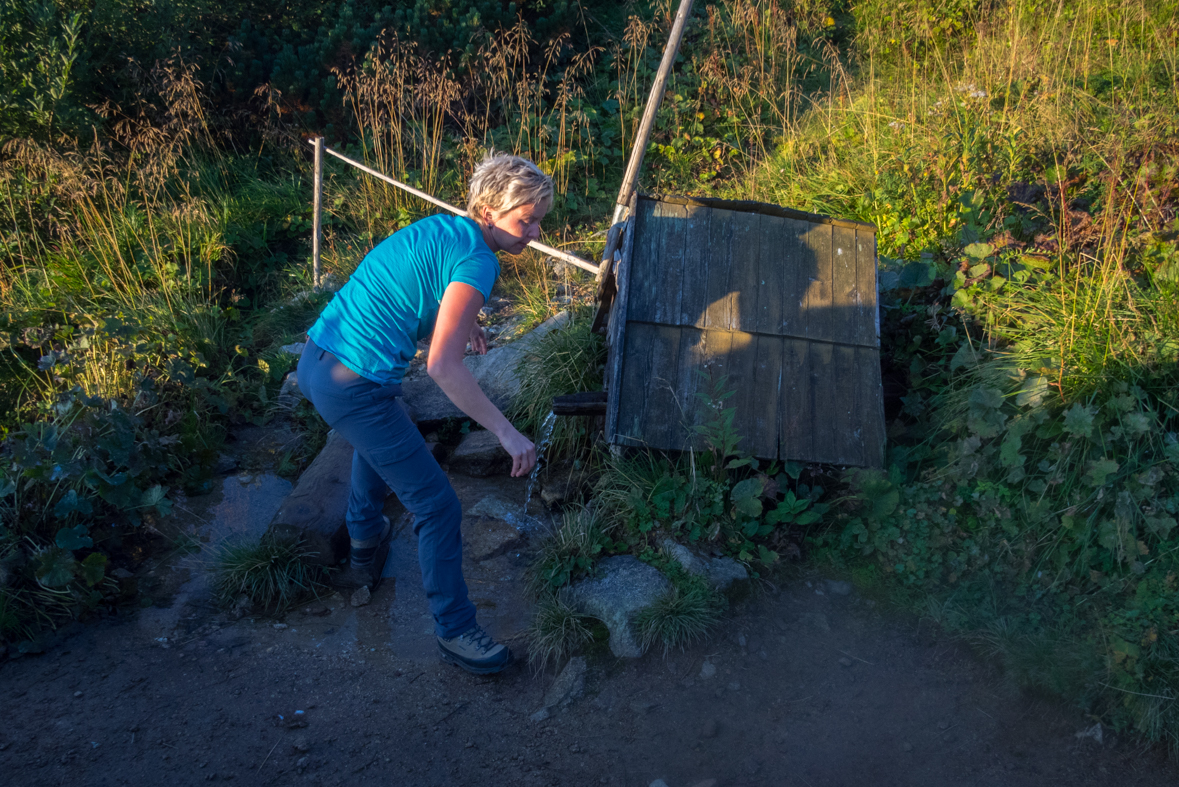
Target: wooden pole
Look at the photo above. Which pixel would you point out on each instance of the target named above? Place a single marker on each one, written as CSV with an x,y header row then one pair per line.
x,y
564,256
317,212
635,163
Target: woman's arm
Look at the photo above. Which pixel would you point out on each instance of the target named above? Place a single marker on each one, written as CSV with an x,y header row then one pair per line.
x,y
456,316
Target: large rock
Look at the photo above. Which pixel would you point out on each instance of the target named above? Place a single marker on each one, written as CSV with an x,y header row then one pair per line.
x,y
722,573
568,686
314,511
480,455
486,537
495,373
624,586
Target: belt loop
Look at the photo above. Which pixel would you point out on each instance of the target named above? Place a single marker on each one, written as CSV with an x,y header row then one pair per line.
x,y
322,353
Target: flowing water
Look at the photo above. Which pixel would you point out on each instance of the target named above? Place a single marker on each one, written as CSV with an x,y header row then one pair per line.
x,y
546,435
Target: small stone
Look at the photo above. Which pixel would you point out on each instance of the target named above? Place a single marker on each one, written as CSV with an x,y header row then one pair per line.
x,y
707,670
751,766
640,708
302,763
709,729
226,464
362,596
121,573
943,725
280,625
301,745
741,640
658,783
77,694
907,746
569,685
815,620
734,686
845,661
540,715
761,654
838,587
705,783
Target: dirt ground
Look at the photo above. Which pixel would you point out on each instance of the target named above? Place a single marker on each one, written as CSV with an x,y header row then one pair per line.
x,y
800,686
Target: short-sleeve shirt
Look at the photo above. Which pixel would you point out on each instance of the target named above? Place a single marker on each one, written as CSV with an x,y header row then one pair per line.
x,y
391,302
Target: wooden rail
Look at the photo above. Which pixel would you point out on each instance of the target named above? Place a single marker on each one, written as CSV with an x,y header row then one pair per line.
x,y
320,149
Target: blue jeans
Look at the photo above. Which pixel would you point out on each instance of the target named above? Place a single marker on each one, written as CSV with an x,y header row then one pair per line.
x,y
389,450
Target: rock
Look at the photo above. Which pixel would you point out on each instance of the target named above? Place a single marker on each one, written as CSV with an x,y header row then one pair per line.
x,y
568,686
316,611
734,686
540,715
564,484
121,573
707,670
480,455
289,395
361,596
281,626
295,348
625,586
437,450
709,729
301,745
226,464
494,507
495,373
658,783
837,587
907,746
723,573
314,510
1095,732
486,537
845,661
242,607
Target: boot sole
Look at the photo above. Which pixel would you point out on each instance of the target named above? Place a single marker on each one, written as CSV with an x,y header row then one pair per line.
x,y
379,559
450,658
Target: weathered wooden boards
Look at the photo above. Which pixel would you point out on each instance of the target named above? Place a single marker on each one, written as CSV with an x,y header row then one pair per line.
x,y
781,303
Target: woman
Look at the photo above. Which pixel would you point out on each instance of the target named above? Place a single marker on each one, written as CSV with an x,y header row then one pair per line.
x,y
431,277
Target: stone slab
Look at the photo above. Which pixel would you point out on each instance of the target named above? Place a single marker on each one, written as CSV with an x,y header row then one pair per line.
x,y
481,455
314,511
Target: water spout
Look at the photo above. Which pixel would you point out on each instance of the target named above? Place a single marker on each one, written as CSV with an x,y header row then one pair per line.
x,y
546,436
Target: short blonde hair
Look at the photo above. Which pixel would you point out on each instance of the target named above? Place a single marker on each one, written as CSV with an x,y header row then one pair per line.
x,y
502,182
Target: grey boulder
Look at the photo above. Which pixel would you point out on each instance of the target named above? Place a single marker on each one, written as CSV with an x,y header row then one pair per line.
x,y
623,587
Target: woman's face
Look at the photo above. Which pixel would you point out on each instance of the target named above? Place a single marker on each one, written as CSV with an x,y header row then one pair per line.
x,y
513,230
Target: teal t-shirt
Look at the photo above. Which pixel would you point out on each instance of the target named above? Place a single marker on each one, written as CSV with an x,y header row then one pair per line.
x,y
375,321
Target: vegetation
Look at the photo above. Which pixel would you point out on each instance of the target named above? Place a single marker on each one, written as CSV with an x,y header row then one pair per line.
x,y
272,573
1017,157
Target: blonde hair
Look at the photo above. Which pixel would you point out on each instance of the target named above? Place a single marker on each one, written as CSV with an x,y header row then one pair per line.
x,y
502,182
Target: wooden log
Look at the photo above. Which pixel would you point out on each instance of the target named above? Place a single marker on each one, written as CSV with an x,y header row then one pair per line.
x,y
584,403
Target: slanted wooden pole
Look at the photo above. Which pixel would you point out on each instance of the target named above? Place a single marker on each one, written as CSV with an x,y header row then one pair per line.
x,y
635,163
317,212
565,256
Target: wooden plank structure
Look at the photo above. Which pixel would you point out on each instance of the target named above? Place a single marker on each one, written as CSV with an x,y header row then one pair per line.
x,y
781,302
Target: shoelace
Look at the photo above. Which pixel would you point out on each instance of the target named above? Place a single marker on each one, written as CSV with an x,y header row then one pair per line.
x,y
479,638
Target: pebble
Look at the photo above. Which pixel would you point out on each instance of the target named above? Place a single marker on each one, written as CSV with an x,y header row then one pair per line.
x,y
907,746
77,694
707,670
705,783
943,725
362,596
741,640
838,587
540,715
709,729
734,686
301,745
280,625
845,661
658,783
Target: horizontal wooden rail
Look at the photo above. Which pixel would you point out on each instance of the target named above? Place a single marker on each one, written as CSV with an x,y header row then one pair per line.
x,y
564,256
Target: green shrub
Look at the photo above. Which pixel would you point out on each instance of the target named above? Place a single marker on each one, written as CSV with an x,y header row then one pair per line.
x,y
682,616
556,632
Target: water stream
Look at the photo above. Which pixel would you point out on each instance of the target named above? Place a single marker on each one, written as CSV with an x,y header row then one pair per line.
x,y
546,435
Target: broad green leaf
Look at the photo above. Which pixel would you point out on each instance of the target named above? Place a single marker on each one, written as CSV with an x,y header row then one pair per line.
x,y
1009,454
982,269
965,356
55,568
94,568
985,396
1160,526
70,503
979,251
1100,470
72,538
1078,420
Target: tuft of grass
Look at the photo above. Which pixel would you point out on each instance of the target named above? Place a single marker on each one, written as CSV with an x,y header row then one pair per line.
x,y
556,632
569,551
273,573
682,616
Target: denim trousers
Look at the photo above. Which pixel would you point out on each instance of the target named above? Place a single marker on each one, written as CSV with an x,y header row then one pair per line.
x,y
390,451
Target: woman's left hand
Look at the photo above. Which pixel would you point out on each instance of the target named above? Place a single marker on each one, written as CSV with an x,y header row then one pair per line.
x,y
478,340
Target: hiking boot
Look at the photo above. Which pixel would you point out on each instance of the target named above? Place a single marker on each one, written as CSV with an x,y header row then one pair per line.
x,y
366,562
475,651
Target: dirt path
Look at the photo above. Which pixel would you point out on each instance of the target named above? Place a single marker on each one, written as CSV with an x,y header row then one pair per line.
x,y
802,687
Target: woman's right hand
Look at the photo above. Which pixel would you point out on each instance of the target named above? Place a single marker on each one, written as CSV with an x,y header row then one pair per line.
x,y
522,450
